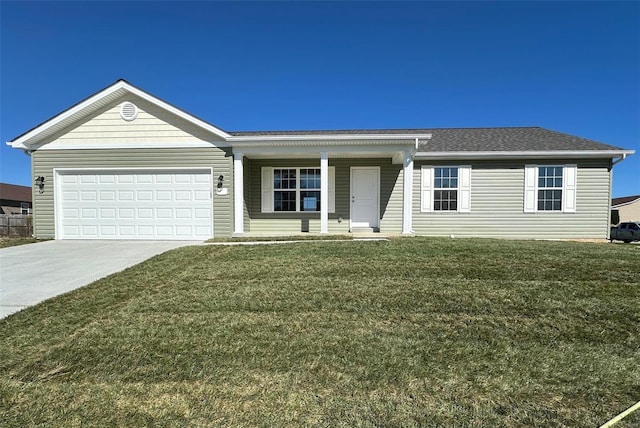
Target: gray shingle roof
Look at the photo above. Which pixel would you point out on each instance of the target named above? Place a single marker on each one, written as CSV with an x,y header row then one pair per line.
x,y
470,139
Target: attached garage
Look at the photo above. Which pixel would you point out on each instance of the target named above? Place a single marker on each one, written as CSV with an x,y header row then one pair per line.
x,y
134,204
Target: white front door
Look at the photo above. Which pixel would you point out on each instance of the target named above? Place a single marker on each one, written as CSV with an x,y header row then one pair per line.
x,y
365,196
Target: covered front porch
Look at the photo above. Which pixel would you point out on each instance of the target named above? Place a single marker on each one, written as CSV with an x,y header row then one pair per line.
x,y
289,189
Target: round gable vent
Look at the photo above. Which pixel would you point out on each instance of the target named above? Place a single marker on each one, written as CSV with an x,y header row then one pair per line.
x,y
128,111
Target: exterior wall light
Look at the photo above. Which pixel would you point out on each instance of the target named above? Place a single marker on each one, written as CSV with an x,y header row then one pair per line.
x,y
40,184
221,190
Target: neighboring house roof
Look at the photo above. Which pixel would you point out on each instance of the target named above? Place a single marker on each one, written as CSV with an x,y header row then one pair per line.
x,y
13,192
616,202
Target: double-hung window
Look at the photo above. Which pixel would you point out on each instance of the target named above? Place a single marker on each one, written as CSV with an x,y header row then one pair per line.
x,y
445,188
550,188
285,185
294,189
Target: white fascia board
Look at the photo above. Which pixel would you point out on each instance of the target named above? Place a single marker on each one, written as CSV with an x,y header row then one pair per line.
x,y
350,138
120,85
575,154
19,143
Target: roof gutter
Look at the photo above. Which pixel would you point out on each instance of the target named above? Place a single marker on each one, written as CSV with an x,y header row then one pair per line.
x,y
568,154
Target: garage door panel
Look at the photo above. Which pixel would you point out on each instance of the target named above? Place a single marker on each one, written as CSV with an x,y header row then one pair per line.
x,y
107,213
183,213
125,195
88,195
201,195
144,213
70,213
144,195
183,195
127,231
201,178
181,179
70,195
89,213
164,179
90,230
136,205
164,195
107,195
202,213
125,213
108,231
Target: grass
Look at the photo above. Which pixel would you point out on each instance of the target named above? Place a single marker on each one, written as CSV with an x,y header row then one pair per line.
x,y
12,242
408,332
298,237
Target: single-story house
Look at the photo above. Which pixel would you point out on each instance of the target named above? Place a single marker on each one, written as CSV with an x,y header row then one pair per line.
x,y
124,164
14,199
627,207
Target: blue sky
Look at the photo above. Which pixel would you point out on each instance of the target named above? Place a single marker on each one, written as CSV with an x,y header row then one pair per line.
x,y
568,66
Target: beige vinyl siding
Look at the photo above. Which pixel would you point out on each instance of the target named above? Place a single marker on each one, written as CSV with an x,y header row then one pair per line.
x,y
44,162
291,223
497,204
152,125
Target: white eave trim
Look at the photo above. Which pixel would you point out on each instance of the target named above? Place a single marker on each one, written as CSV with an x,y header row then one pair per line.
x,y
560,154
320,138
118,86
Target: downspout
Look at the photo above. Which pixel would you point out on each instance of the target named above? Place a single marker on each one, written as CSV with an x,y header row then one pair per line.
x,y
623,157
620,159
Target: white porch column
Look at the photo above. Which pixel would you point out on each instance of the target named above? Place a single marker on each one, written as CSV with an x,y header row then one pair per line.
x,y
238,193
407,193
324,192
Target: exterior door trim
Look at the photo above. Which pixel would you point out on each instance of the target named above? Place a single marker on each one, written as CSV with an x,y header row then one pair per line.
x,y
376,224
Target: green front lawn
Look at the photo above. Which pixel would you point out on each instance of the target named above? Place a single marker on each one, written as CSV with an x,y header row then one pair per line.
x,y
408,332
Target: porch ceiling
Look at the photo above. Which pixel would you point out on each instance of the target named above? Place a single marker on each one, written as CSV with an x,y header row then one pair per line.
x,y
334,152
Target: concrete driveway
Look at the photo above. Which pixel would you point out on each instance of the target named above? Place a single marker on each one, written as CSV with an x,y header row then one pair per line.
x,y
32,273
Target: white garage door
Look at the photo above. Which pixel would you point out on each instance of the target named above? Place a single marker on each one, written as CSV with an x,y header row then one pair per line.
x,y
135,205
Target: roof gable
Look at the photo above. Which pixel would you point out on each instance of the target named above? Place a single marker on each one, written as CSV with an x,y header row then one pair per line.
x,y
98,102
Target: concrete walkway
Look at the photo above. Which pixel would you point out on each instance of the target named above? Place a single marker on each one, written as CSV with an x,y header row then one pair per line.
x,y
30,274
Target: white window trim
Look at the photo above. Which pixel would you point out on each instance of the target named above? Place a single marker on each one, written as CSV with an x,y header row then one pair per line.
x,y
569,188
427,188
268,190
